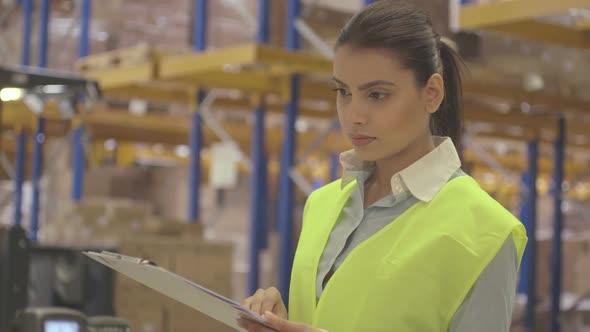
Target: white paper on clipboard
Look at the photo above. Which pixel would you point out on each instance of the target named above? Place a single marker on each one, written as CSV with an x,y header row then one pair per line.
x,y
177,288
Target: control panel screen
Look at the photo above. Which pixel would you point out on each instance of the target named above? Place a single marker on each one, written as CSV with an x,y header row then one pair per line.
x,y
61,326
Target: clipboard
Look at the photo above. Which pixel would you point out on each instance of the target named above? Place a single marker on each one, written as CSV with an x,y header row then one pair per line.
x,y
178,288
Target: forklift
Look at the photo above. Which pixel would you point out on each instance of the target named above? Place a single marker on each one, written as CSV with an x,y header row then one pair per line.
x,y
32,296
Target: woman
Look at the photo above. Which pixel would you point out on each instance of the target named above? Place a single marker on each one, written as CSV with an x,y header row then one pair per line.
x,y
405,241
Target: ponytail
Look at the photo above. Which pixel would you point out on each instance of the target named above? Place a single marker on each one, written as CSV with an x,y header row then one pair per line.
x,y
447,120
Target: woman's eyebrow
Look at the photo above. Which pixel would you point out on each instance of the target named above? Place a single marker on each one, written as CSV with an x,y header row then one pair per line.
x,y
374,83
367,85
338,81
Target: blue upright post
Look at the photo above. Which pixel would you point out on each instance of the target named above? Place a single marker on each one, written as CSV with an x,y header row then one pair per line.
x,y
195,166
334,164
39,139
27,32
199,45
287,162
524,209
200,25
262,36
264,203
258,207
529,219
78,164
43,33
78,145
21,148
257,212
316,183
85,13
557,226
368,2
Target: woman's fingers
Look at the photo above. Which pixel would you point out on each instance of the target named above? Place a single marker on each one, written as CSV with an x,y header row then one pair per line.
x,y
257,301
271,300
266,300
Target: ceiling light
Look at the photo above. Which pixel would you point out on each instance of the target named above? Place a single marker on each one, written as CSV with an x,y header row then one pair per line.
x,y
11,94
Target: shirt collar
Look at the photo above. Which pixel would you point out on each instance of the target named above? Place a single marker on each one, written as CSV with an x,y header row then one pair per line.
x,y
423,179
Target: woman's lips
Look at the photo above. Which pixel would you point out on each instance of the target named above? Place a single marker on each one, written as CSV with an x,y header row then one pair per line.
x,y
361,140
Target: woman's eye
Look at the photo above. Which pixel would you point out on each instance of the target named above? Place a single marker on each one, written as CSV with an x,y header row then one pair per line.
x,y
377,95
341,92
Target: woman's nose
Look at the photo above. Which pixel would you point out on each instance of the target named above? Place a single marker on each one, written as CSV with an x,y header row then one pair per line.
x,y
358,114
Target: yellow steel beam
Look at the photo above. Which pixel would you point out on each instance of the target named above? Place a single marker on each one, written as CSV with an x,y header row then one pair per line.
x,y
243,104
483,15
583,25
174,66
123,76
545,33
484,114
179,91
317,90
124,126
221,69
524,137
9,146
294,61
519,163
50,111
17,115
152,92
558,103
252,82
244,55
528,136
532,124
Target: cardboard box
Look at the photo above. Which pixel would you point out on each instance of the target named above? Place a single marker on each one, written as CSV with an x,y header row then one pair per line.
x,y
172,227
207,263
575,266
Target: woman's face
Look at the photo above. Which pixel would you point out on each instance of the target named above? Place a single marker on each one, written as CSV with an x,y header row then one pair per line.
x,y
381,108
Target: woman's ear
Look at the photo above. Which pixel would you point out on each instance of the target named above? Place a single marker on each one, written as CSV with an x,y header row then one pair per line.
x,y
434,92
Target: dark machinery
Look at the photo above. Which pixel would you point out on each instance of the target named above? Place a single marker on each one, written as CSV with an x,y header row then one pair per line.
x,y
49,289
49,320
42,319
14,273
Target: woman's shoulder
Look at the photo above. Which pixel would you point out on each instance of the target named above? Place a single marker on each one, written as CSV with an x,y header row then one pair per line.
x,y
469,204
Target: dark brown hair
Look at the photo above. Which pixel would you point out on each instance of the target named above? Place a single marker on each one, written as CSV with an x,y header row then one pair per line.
x,y
408,33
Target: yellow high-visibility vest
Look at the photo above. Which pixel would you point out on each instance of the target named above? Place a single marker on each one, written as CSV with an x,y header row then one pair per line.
x,y
413,274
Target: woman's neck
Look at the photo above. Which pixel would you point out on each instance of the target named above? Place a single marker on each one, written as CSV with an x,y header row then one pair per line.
x,y
386,168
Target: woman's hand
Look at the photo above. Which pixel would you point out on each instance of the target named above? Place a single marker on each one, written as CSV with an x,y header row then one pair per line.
x,y
267,300
276,323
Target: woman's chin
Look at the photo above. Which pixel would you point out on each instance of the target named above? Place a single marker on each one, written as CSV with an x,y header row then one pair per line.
x,y
366,154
